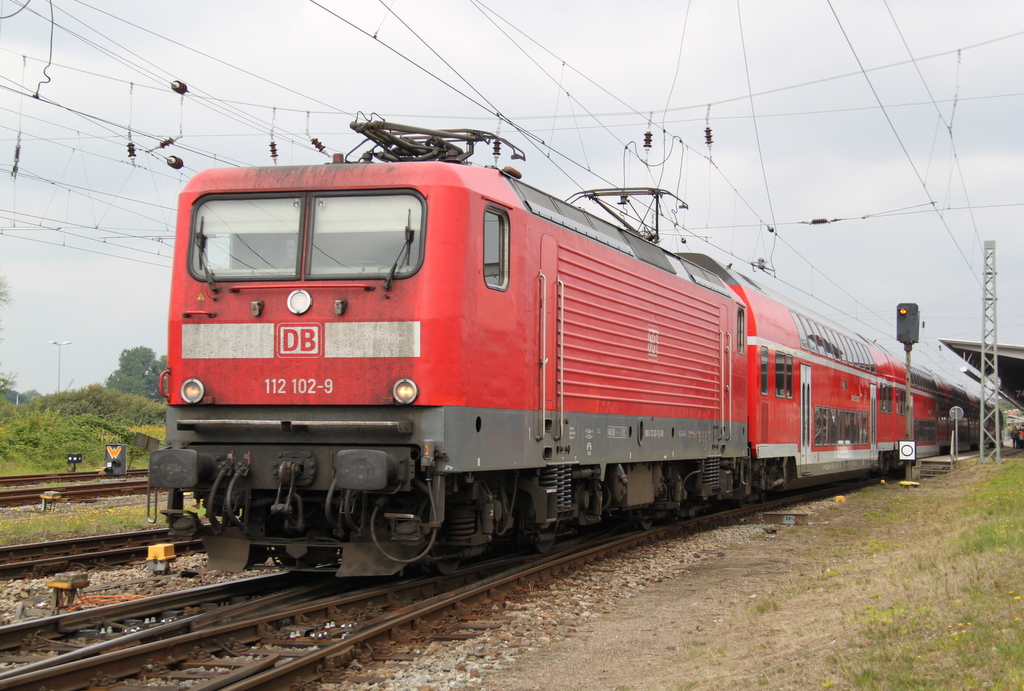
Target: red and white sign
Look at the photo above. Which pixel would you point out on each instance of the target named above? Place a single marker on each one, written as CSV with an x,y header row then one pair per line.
x,y
299,340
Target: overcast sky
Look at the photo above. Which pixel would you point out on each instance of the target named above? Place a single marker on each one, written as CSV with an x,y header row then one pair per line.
x,y
900,122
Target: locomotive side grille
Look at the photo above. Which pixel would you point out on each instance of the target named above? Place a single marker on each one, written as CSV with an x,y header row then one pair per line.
x,y
559,478
712,471
654,356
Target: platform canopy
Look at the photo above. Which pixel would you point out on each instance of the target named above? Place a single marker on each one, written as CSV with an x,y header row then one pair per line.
x,y
1011,364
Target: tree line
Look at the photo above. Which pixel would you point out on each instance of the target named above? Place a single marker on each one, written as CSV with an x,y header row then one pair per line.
x,y
137,373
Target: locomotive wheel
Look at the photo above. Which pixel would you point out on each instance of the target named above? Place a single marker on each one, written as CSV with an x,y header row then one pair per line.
x,y
447,565
642,518
545,540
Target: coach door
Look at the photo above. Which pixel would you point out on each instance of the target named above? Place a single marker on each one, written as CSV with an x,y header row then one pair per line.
x,y
873,418
806,417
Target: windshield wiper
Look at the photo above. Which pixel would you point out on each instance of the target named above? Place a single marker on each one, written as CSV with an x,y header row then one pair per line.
x,y
201,244
406,250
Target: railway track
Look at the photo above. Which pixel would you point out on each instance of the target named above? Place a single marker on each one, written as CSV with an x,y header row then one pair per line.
x,y
44,478
43,558
268,645
79,491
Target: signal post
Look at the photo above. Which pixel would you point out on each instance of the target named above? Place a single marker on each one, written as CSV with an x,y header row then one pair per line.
x,y
908,332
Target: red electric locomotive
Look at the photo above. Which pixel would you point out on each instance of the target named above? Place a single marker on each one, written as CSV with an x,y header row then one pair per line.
x,y
379,364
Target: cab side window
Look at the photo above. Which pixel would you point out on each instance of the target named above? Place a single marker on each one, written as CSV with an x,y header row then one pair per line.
x,y
741,330
764,370
496,249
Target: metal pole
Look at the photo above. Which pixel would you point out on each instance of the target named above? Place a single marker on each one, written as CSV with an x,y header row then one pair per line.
x,y
60,347
909,410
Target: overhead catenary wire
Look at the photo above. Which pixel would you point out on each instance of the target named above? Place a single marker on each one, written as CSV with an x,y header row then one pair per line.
x,y
938,111
899,140
579,117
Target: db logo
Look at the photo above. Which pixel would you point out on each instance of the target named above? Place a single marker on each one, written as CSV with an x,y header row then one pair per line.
x,y
298,340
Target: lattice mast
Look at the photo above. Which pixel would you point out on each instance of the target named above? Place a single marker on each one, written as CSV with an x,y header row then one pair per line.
x,y
989,360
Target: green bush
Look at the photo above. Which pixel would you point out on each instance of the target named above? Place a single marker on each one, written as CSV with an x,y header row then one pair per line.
x,y
106,403
40,441
37,437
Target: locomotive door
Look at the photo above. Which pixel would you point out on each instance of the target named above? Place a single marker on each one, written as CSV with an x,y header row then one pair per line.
x,y
806,417
548,357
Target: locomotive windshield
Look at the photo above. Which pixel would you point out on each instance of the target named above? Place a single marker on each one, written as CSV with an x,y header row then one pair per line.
x,y
350,236
246,238
358,236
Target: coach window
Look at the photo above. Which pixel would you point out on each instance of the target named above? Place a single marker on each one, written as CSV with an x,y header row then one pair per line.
x,y
847,350
789,376
764,370
495,249
805,333
799,328
780,374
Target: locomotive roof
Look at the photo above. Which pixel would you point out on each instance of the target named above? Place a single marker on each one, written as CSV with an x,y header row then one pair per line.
x,y
573,218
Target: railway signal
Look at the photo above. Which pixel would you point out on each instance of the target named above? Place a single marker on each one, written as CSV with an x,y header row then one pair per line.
x,y
117,459
908,332
73,460
908,323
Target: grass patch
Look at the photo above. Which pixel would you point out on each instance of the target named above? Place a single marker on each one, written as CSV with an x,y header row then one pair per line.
x,y
763,606
952,614
23,525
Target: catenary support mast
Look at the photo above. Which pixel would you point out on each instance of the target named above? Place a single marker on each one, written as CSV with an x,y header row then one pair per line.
x,y
990,423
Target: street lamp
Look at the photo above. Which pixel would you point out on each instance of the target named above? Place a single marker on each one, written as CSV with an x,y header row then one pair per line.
x,y
60,346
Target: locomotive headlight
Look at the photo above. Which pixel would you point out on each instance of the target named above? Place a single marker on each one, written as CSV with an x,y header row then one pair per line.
x,y
192,391
299,301
405,391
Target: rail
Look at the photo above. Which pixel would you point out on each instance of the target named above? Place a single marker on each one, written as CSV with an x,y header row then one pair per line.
x,y
39,559
45,478
291,644
73,492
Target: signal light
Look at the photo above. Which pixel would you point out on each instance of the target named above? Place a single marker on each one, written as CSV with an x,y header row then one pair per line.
x,y
908,323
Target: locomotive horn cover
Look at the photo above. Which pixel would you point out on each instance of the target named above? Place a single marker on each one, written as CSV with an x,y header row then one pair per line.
x,y
365,469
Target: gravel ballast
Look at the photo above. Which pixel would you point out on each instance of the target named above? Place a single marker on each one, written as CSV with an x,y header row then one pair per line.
x,y
554,615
